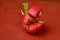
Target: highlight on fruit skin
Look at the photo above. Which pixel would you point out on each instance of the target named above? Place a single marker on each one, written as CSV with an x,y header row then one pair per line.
x,y
30,23
26,18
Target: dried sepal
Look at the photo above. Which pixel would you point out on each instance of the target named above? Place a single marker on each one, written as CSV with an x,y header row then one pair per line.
x,y
22,12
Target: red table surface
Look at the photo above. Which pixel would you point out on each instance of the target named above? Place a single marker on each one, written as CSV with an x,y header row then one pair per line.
x,y
11,27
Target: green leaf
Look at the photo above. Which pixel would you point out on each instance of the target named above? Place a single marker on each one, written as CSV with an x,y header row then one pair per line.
x,y
48,0
25,6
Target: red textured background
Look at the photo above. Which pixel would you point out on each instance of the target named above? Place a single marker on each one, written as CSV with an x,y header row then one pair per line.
x,y
11,27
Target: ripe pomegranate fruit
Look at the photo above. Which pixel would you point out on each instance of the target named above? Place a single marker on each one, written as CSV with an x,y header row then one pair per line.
x,y
31,20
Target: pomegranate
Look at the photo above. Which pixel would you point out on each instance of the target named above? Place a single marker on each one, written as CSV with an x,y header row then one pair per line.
x,y
32,21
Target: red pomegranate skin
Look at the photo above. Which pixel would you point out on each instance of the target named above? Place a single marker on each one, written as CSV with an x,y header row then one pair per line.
x,y
36,29
34,11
